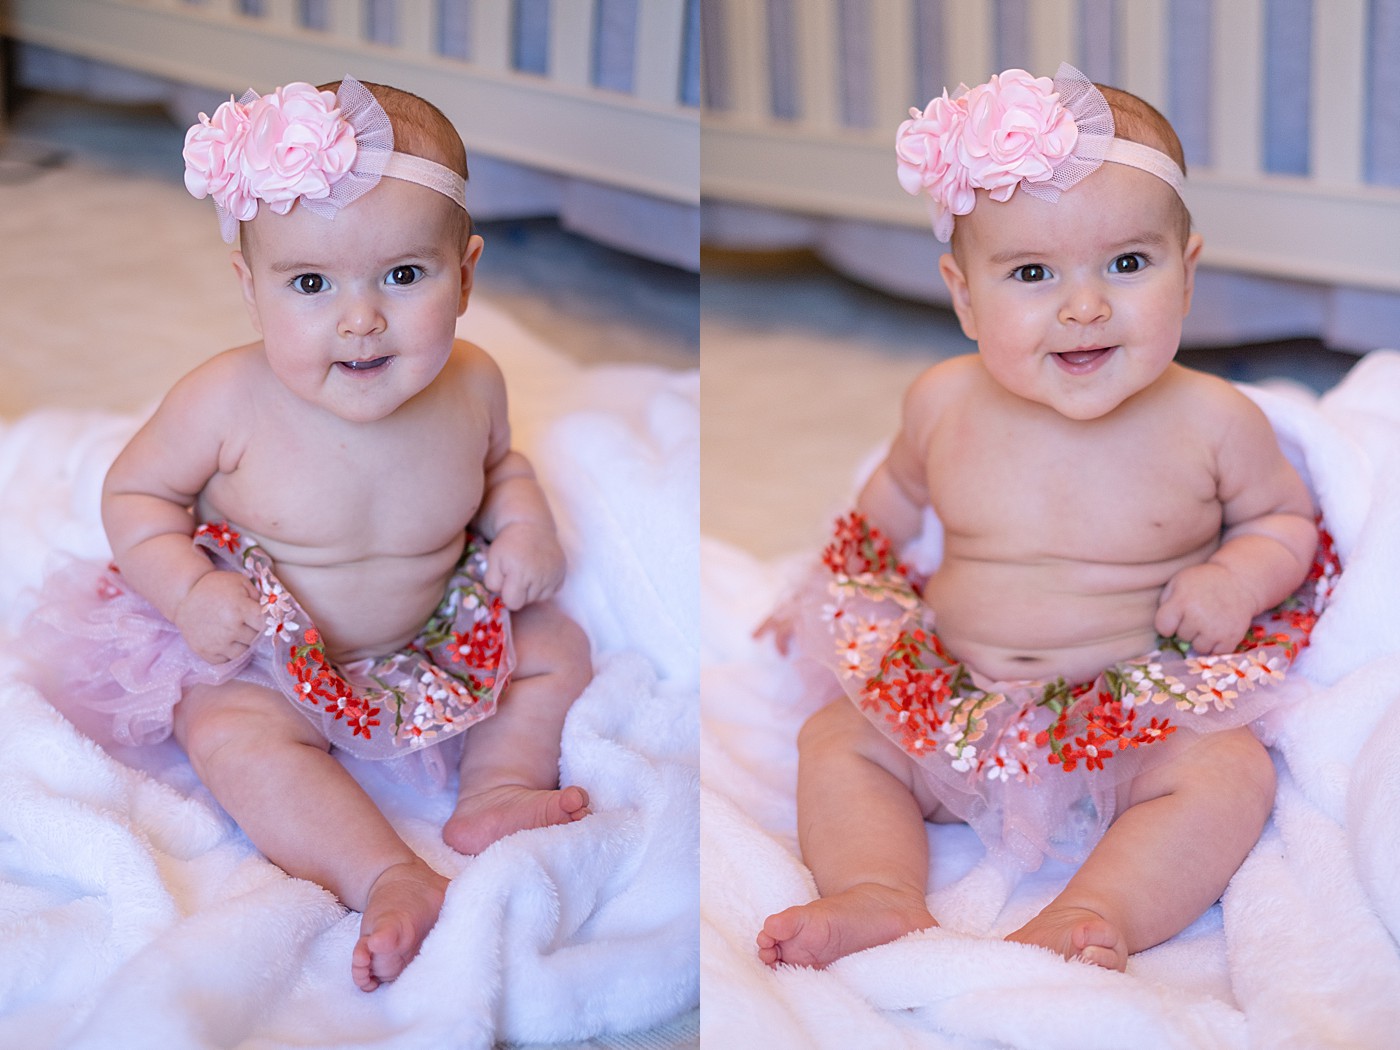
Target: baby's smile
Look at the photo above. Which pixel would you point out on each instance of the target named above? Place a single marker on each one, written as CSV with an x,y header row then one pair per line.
x,y
1084,360
373,364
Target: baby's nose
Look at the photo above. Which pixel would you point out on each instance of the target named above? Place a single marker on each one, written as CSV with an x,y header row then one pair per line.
x,y
360,317
1085,303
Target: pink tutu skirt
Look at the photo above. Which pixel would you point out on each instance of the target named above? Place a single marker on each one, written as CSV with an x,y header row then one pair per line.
x,y
1032,766
115,661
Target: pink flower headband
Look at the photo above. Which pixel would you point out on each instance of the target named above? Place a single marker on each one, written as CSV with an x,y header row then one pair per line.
x,y
1015,130
301,144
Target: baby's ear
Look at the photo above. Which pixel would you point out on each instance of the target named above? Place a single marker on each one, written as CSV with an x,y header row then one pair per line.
x,y
469,260
954,278
1194,243
245,283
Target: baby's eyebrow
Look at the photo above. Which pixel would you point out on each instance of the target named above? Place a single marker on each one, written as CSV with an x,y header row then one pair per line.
x,y
1146,238
294,267
417,251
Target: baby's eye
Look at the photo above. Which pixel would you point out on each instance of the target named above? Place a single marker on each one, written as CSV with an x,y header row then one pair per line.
x,y
309,283
1131,262
1031,273
404,274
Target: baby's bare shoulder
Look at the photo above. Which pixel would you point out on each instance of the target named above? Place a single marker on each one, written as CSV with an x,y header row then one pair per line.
x,y
472,372
948,382
1212,404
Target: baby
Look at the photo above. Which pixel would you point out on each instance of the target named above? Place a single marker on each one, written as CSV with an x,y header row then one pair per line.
x,y
1098,502
299,510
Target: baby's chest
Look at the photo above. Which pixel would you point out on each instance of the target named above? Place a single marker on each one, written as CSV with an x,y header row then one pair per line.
x,y
1110,495
371,495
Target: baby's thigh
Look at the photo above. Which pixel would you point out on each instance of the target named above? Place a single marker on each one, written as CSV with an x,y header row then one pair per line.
x,y
548,641
839,731
1231,768
214,719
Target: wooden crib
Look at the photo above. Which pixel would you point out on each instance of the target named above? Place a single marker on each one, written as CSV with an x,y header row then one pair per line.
x,y
1286,108
598,93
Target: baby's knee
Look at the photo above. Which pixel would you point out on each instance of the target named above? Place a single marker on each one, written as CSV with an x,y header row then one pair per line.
x,y
1252,771
221,724
549,642
836,727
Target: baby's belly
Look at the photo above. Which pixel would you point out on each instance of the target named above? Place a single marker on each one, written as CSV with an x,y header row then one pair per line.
x,y
1013,623
369,606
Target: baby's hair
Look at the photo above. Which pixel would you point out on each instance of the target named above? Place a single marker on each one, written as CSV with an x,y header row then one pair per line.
x,y
1138,121
420,130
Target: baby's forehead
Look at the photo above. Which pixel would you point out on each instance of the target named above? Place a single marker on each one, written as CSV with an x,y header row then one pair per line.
x,y
1110,206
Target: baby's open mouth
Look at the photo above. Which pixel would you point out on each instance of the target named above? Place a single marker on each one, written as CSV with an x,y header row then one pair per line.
x,y
364,366
1086,360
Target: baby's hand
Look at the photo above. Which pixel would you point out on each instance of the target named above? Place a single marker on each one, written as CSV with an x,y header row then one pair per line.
x,y
220,617
781,626
1208,607
524,564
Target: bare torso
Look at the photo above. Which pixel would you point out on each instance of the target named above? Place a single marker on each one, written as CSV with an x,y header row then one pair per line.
x,y
364,522
1060,535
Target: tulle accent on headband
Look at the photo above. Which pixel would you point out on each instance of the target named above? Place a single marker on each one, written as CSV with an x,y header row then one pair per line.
x,y
301,144
1015,131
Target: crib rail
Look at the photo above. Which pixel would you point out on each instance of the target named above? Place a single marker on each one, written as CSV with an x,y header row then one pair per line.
x,y
459,55
802,98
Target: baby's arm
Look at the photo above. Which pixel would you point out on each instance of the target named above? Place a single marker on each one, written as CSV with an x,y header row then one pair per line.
x,y
1267,547
525,563
146,503
894,498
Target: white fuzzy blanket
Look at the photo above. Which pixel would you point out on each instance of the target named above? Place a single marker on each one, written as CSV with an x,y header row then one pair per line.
x,y
134,913
1302,951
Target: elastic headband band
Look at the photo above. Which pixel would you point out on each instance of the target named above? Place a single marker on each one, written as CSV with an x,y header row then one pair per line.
x,y
301,144
1016,130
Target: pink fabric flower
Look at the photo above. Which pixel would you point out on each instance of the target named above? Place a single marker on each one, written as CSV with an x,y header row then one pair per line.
x,y
297,145
1016,130
279,148
212,168
925,147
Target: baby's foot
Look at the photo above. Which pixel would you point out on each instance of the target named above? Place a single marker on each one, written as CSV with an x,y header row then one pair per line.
x,y
1076,933
824,930
403,905
481,819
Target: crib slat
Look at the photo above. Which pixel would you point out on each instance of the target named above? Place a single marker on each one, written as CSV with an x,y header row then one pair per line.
x,y
1338,91
347,19
1142,50
970,51
893,68
746,33
417,28
491,34
657,63
817,64
281,13
1052,35
571,42
1237,108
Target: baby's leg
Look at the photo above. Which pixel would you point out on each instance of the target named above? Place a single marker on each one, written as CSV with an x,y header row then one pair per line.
x,y
860,824
510,765
1185,828
273,773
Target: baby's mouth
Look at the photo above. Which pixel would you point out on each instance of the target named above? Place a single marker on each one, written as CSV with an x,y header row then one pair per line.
x,y
1079,362
368,365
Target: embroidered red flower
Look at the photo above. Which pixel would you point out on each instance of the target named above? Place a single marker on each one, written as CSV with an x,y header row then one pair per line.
x,y
220,533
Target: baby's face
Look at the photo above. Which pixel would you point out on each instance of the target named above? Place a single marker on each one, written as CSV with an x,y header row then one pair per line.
x,y
358,313
1078,304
